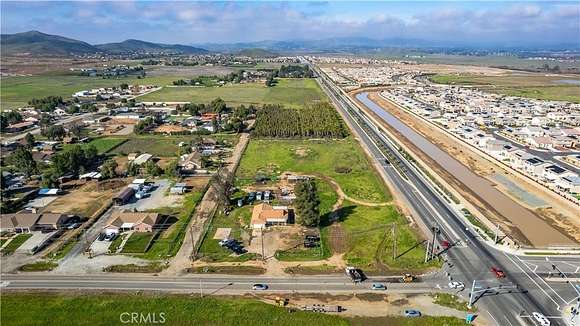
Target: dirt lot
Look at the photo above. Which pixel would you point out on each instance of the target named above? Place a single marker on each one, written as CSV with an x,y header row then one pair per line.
x,y
376,304
565,220
85,200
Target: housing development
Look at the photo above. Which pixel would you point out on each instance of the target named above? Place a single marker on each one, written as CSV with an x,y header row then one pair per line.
x,y
335,181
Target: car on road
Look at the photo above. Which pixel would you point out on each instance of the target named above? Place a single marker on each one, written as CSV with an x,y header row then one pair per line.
x,y
540,318
412,313
260,287
378,286
498,272
456,285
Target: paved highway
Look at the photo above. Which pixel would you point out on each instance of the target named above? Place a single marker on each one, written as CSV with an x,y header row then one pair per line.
x,y
473,258
207,284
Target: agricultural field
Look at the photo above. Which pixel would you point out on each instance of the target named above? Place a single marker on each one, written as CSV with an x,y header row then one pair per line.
x,y
104,144
530,85
294,92
17,91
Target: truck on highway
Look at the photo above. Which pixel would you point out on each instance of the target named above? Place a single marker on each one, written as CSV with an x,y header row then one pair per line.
x,y
354,274
408,278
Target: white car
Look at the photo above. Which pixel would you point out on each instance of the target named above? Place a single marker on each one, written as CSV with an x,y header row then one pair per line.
x,y
541,319
456,285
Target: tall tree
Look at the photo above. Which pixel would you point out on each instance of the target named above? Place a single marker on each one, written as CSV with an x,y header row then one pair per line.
x,y
30,141
307,203
24,162
109,169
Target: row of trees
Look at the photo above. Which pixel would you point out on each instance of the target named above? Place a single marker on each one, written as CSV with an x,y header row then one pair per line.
x,y
46,104
316,121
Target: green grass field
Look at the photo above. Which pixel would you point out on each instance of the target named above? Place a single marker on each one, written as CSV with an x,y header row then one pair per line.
x,y
524,85
272,157
104,144
158,145
107,309
17,91
288,92
138,242
237,220
15,243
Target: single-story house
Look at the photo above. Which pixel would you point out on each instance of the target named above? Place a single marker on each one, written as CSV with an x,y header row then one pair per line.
x,y
52,221
143,158
192,162
17,127
128,221
124,196
265,215
19,223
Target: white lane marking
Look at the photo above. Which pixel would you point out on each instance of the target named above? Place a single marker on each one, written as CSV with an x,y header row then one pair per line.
x,y
490,315
531,279
544,281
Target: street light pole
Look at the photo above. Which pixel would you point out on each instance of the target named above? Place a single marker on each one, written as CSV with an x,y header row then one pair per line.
x,y
471,294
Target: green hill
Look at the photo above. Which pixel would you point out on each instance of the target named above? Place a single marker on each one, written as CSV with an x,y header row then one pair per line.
x,y
40,44
137,46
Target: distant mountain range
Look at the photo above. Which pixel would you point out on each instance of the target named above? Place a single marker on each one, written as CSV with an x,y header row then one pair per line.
x,y
40,44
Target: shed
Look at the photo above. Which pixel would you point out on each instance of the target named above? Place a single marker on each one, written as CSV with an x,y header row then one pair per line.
x,y
49,191
124,196
143,158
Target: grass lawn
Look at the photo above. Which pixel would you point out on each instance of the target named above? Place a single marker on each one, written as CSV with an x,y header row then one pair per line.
x,y
17,91
210,249
295,92
451,301
101,309
529,85
272,157
62,251
15,243
138,242
103,144
41,266
312,270
132,268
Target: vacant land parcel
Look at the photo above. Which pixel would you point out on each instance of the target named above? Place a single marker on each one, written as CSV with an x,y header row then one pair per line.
x,y
17,91
530,85
360,206
289,92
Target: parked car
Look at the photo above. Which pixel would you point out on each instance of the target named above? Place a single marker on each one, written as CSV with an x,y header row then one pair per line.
x,y
540,318
378,286
412,313
225,242
456,285
260,287
110,236
101,236
73,226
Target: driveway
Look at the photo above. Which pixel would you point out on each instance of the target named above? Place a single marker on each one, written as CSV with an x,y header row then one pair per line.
x,y
158,197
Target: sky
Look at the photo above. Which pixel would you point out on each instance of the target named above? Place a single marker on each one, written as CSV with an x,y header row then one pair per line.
x,y
480,22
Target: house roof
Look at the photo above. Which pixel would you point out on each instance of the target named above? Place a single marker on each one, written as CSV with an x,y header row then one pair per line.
x,y
125,193
50,218
119,219
264,213
19,220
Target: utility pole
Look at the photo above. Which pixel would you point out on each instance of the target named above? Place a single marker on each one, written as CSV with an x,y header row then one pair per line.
x,y
394,241
471,295
262,243
200,289
427,252
496,233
